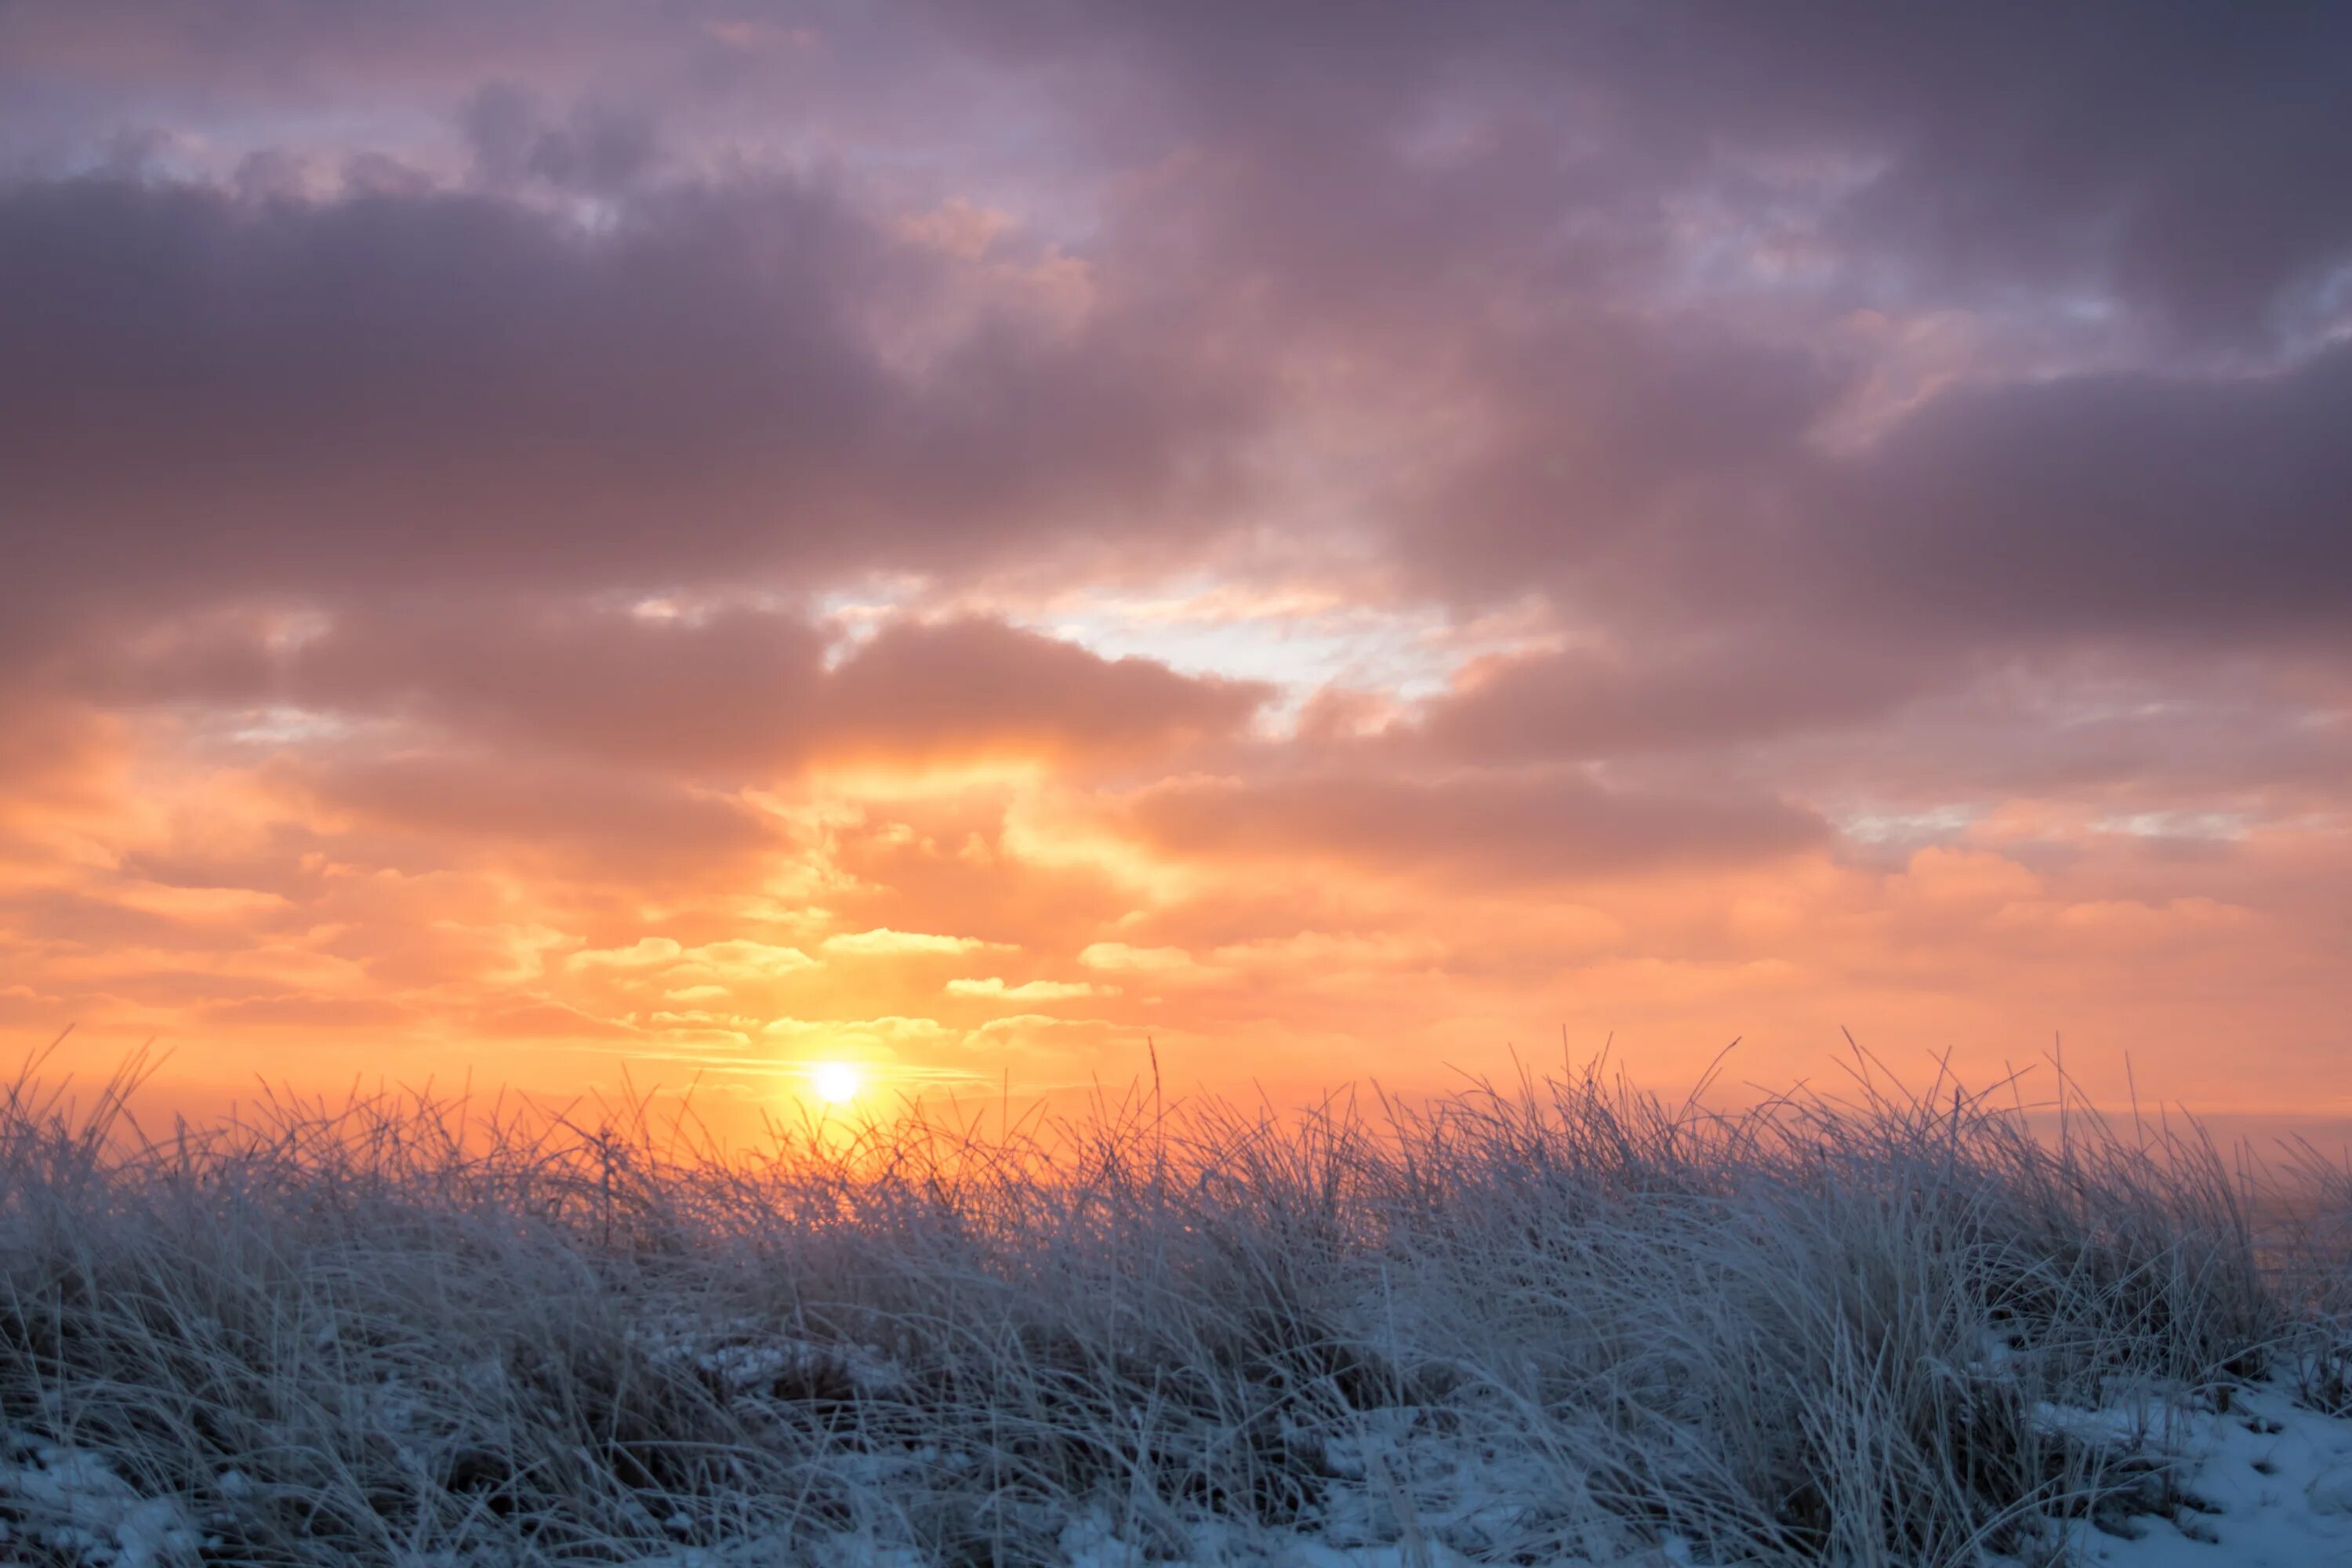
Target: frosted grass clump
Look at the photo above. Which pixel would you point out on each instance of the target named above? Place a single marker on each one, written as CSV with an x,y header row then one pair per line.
x,y
1563,1321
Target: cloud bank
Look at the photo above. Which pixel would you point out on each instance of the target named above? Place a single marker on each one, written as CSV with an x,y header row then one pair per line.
x,y
1337,543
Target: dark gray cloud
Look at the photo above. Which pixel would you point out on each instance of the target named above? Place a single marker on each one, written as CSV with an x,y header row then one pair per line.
x,y
2165,508
1562,295
596,148
214,394
731,695
2188,158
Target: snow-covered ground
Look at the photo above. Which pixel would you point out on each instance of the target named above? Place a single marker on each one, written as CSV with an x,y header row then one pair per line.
x,y
2268,1484
2264,1483
74,1509
1571,1326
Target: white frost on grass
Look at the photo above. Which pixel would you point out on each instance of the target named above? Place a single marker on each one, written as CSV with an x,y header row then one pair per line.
x,y
2266,1483
744,1354
1568,1326
1092,1542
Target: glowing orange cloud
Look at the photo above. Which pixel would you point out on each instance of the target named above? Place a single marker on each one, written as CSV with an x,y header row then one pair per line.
x,y
648,550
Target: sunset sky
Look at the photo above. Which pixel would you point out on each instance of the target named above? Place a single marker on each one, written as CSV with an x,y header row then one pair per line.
x,y
543,540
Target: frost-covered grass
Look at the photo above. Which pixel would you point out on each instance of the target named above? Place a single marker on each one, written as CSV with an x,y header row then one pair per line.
x,y
1561,1322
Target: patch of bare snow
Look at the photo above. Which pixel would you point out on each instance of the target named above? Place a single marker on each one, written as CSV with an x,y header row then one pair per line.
x,y
2266,1484
72,1506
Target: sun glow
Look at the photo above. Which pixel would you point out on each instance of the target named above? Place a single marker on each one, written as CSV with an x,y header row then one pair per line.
x,y
835,1083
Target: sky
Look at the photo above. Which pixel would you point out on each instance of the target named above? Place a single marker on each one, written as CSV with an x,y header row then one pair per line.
x,y
584,544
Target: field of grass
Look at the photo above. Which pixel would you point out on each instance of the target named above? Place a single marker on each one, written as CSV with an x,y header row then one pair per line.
x,y
1559,1322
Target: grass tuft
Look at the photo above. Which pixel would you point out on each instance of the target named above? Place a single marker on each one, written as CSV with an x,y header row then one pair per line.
x,y
1560,1317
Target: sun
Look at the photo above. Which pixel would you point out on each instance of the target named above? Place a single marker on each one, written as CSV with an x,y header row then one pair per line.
x,y
837,1083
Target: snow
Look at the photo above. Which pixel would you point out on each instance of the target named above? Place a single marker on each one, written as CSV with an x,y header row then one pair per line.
x,y
1547,1332
75,1506
741,1354
1092,1542
2264,1483
2261,1482
2268,1484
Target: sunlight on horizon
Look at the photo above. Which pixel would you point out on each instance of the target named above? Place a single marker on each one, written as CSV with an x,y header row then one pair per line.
x,y
837,1083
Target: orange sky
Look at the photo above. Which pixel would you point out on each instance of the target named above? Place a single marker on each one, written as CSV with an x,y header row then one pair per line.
x,y
704,544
